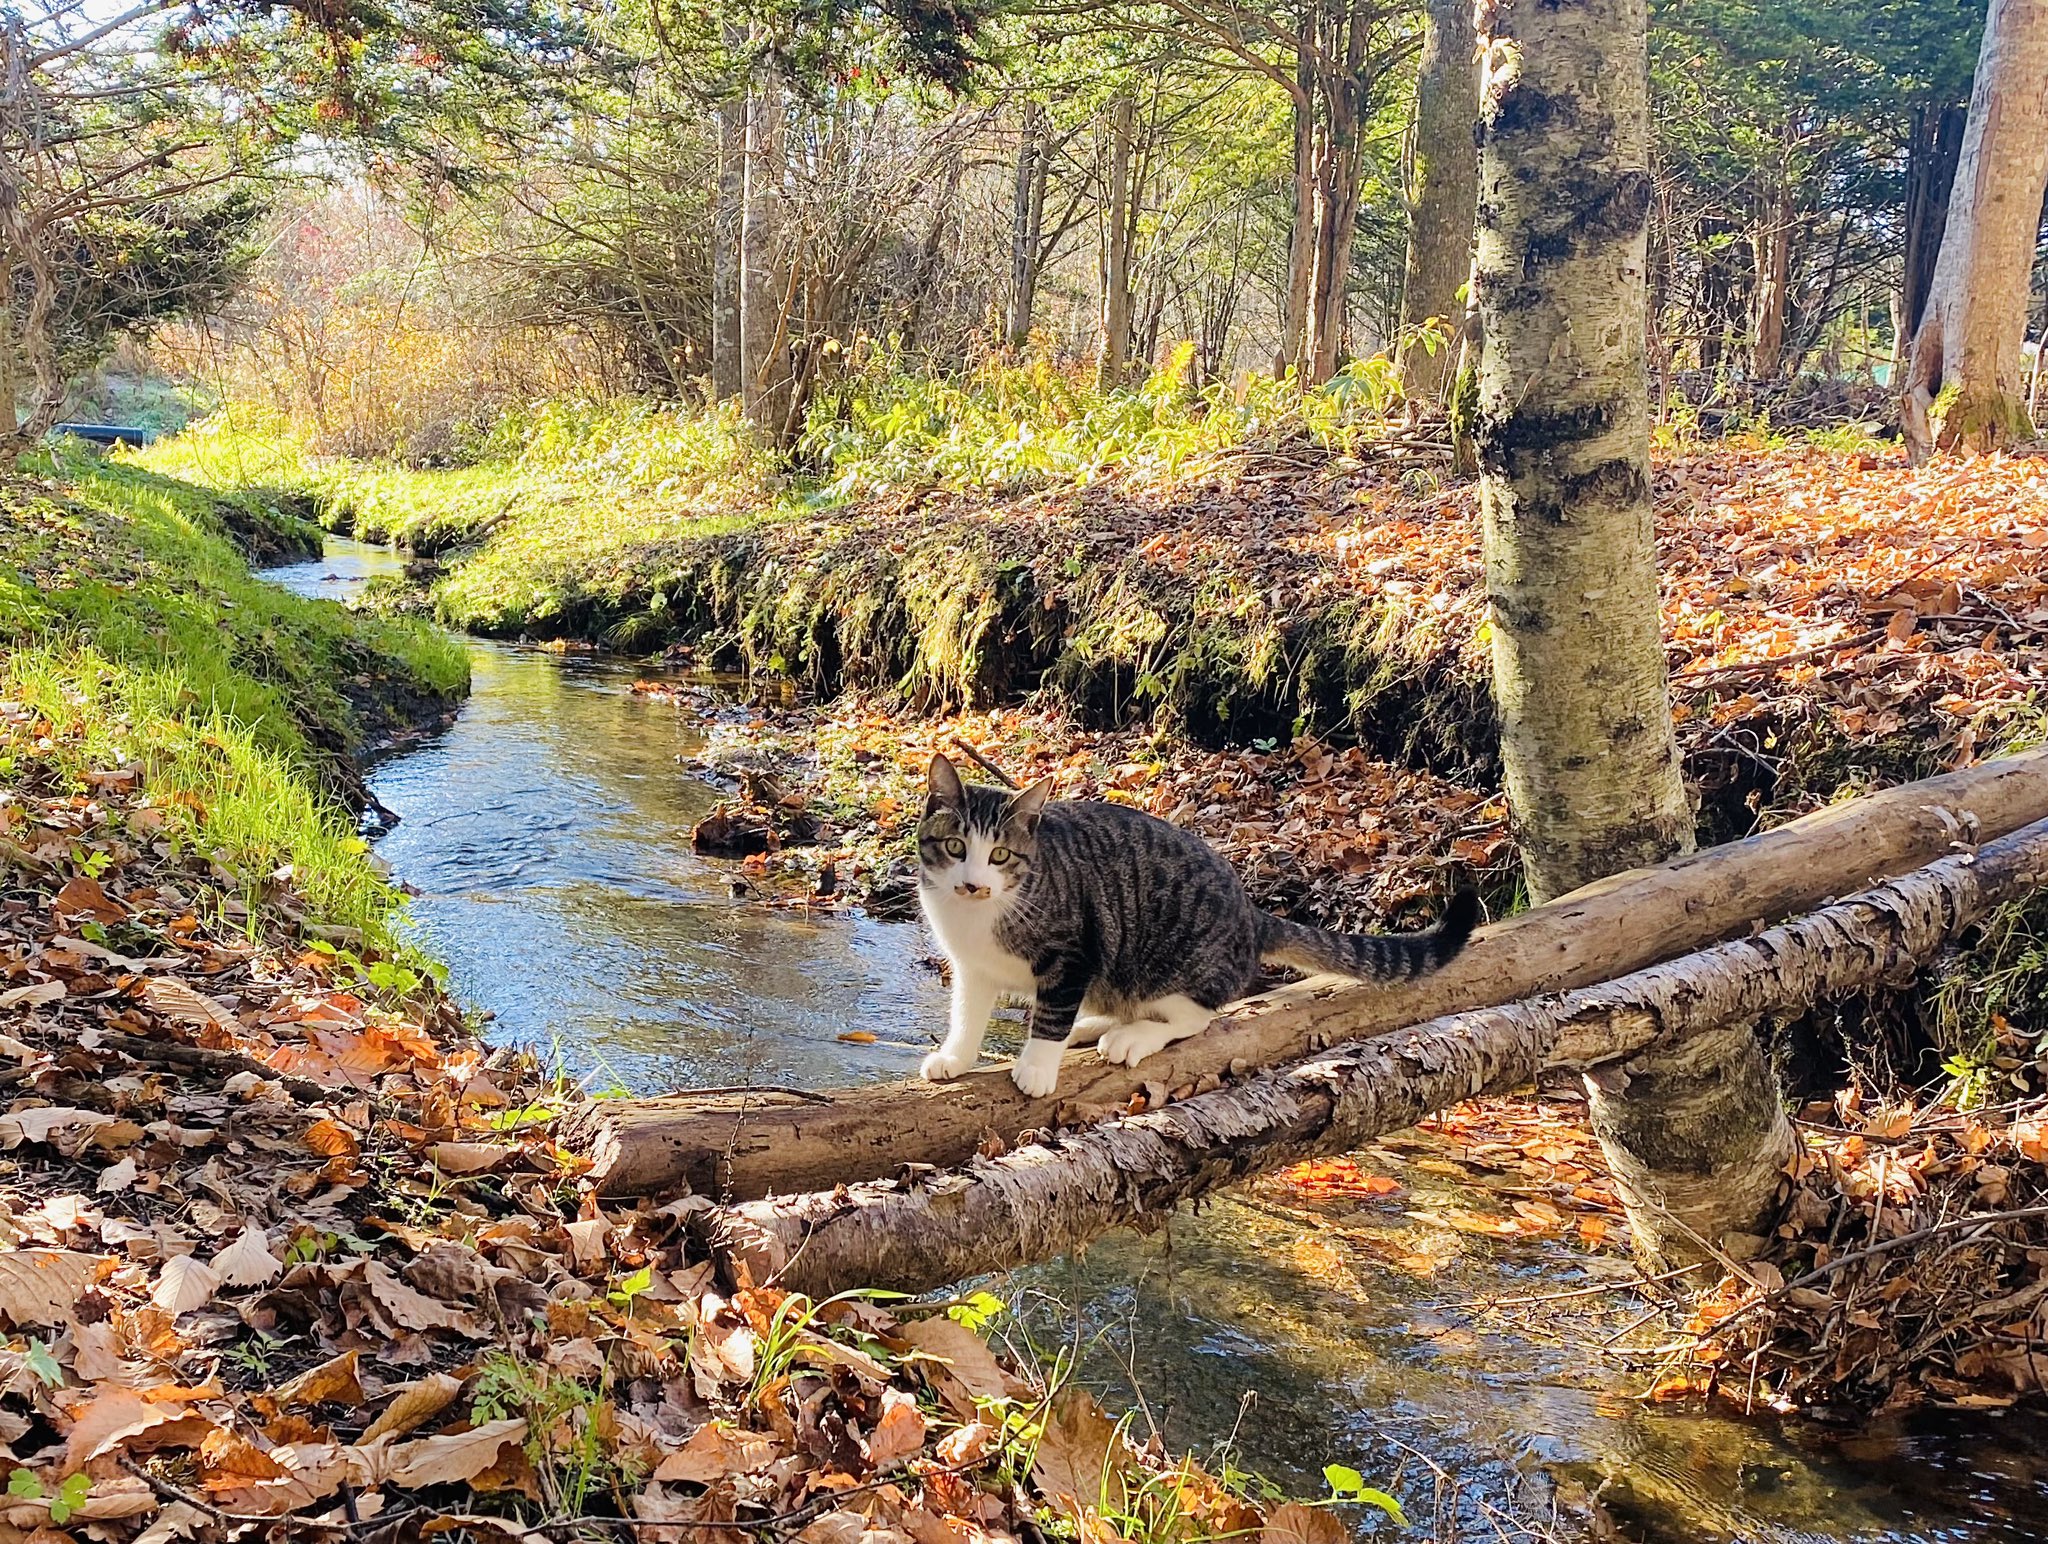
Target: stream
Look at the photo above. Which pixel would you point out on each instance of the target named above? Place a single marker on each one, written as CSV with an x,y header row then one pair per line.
x,y
547,833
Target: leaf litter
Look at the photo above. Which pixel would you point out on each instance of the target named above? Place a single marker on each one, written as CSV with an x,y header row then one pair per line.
x,y
286,1254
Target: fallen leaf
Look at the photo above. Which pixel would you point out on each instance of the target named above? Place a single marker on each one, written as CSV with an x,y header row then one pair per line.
x,y
899,1433
332,1382
43,1286
104,1423
1293,1523
415,1310
83,897
468,1157
958,1362
415,1405
38,1125
453,1459
116,1177
1082,1458
186,1283
714,1451
181,1004
247,1262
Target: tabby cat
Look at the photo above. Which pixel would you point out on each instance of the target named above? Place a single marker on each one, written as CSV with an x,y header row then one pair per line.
x,y
1114,925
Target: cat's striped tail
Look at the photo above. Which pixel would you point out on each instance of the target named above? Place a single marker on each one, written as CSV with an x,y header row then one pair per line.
x,y
1371,956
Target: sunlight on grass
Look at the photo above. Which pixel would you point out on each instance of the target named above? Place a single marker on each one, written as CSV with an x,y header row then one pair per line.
x,y
131,623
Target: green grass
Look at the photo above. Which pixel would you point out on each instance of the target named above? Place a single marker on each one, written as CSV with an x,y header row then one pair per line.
x,y
131,622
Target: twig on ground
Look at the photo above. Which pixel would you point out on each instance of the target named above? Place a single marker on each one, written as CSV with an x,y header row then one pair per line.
x,y
984,763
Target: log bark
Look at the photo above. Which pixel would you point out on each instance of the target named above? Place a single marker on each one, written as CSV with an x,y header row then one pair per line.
x,y
1962,389
1045,1199
742,1146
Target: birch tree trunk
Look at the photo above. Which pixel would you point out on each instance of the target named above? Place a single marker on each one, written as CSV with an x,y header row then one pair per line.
x,y
1443,186
1693,1128
727,369
1113,361
1963,384
1562,429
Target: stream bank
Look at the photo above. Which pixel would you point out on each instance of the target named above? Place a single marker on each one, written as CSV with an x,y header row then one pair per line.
x,y
1358,1318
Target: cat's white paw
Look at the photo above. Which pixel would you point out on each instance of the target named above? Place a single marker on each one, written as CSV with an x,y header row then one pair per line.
x,y
1091,1027
1132,1043
941,1066
1036,1072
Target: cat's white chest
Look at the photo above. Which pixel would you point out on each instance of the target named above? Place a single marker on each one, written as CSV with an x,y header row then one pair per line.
x,y
966,931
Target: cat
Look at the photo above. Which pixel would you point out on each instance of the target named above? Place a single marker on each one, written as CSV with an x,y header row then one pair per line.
x,y
1116,926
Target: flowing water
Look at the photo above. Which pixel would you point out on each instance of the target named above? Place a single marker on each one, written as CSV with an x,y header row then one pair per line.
x,y
547,833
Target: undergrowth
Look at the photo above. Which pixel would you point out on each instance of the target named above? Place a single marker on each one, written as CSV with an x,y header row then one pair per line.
x,y
131,623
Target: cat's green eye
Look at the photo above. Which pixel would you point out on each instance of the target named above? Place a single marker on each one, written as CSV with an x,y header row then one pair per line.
x,y
954,847
999,855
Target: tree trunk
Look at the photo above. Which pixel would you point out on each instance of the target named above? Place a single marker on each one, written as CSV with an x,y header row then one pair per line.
x,y
919,1233
757,1143
1936,144
1301,234
1113,360
1563,437
1591,762
1443,186
727,355
1772,241
1027,223
764,286
1962,389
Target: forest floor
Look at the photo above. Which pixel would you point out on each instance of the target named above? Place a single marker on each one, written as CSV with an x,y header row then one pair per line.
x,y
286,1253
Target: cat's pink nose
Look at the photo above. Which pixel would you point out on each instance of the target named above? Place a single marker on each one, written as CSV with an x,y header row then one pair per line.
x,y
972,891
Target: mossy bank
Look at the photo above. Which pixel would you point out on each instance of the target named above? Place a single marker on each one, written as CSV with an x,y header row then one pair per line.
x,y
132,625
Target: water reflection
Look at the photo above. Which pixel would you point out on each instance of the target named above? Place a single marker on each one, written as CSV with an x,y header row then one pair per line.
x,y
548,833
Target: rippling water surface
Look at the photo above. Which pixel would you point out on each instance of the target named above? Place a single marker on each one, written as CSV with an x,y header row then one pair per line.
x,y
548,833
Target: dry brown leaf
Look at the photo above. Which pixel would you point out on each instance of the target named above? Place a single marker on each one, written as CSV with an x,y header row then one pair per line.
x,y
468,1157
334,1382
899,1433
100,1425
178,1002
453,1459
83,897
835,1528
331,1139
958,1364
306,1472
415,1405
1294,1523
48,1122
43,1286
959,1448
714,1451
186,1283
415,1310
116,1177
247,1262
1082,1457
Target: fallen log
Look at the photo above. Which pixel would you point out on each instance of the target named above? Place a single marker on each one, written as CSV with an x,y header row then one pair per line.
x,y
1047,1198
740,1146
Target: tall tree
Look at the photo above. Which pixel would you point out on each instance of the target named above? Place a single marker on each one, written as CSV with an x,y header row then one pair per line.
x,y
1443,183
1694,1132
1963,388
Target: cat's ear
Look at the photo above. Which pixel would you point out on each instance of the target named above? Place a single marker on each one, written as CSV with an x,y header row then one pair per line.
x,y
1025,808
945,788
